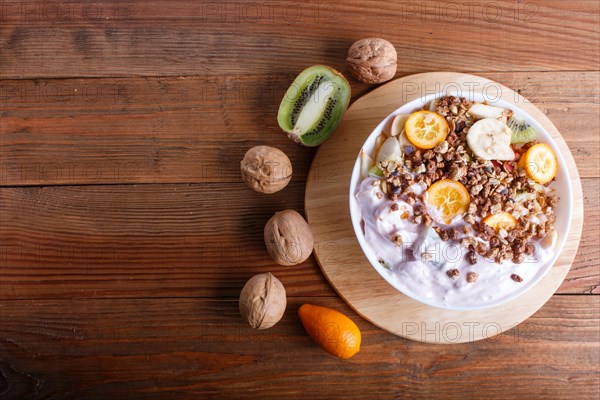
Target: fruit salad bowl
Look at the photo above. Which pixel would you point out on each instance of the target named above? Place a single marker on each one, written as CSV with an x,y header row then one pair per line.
x,y
409,246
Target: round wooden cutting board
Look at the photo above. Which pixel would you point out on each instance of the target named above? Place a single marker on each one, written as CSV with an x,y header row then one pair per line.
x,y
341,258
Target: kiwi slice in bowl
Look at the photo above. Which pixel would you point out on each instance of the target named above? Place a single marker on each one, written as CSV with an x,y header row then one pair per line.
x,y
314,105
522,132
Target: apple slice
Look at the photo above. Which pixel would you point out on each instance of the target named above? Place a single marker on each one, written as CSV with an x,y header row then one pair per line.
x,y
398,124
366,163
389,151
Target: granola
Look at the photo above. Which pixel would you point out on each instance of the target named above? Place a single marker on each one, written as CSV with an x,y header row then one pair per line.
x,y
495,186
455,195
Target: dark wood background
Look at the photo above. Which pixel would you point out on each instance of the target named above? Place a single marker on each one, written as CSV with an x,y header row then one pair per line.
x,y
126,233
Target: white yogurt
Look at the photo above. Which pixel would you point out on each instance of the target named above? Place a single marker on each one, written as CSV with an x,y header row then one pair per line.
x,y
427,278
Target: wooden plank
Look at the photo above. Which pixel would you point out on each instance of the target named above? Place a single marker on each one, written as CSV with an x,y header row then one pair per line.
x,y
584,276
143,348
174,240
138,241
105,38
196,129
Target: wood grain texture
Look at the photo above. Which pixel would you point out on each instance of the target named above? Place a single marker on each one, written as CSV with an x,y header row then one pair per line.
x,y
144,348
117,290
157,38
173,240
143,241
329,214
196,129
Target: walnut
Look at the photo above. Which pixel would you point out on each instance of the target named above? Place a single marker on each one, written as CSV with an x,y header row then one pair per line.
x,y
372,60
262,301
288,238
266,169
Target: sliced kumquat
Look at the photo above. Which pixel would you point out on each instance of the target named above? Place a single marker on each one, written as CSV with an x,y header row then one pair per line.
x,y
450,197
426,129
501,220
540,163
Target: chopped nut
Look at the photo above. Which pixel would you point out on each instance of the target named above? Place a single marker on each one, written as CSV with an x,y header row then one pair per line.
x,y
453,233
476,189
529,249
518,258
516,278
379,195
469,218
512,235
472,257
397,240
443,234
408,190
457,172
495,208
480,248
394,207
384,186
466,242
453,273
472,277
493,253
441,148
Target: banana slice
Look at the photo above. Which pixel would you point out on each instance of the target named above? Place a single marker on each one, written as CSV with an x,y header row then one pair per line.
x,y
481,111
550,240
489,139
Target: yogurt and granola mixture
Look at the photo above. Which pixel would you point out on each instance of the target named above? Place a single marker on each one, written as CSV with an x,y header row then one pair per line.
x,y
457,203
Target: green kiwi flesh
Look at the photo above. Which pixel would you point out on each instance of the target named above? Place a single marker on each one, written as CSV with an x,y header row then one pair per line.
x,y
522,132
314,105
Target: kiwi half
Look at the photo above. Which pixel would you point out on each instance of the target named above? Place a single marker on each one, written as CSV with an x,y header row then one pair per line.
x,y
314,105
522,132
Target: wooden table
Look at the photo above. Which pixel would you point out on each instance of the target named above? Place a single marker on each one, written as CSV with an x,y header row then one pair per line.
x,y
126,233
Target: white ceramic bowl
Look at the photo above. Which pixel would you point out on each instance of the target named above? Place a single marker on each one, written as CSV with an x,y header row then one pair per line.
x,y
563,211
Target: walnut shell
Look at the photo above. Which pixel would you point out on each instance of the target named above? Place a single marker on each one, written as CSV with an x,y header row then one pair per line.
x,y
372,60
266,169
262,301
288,238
